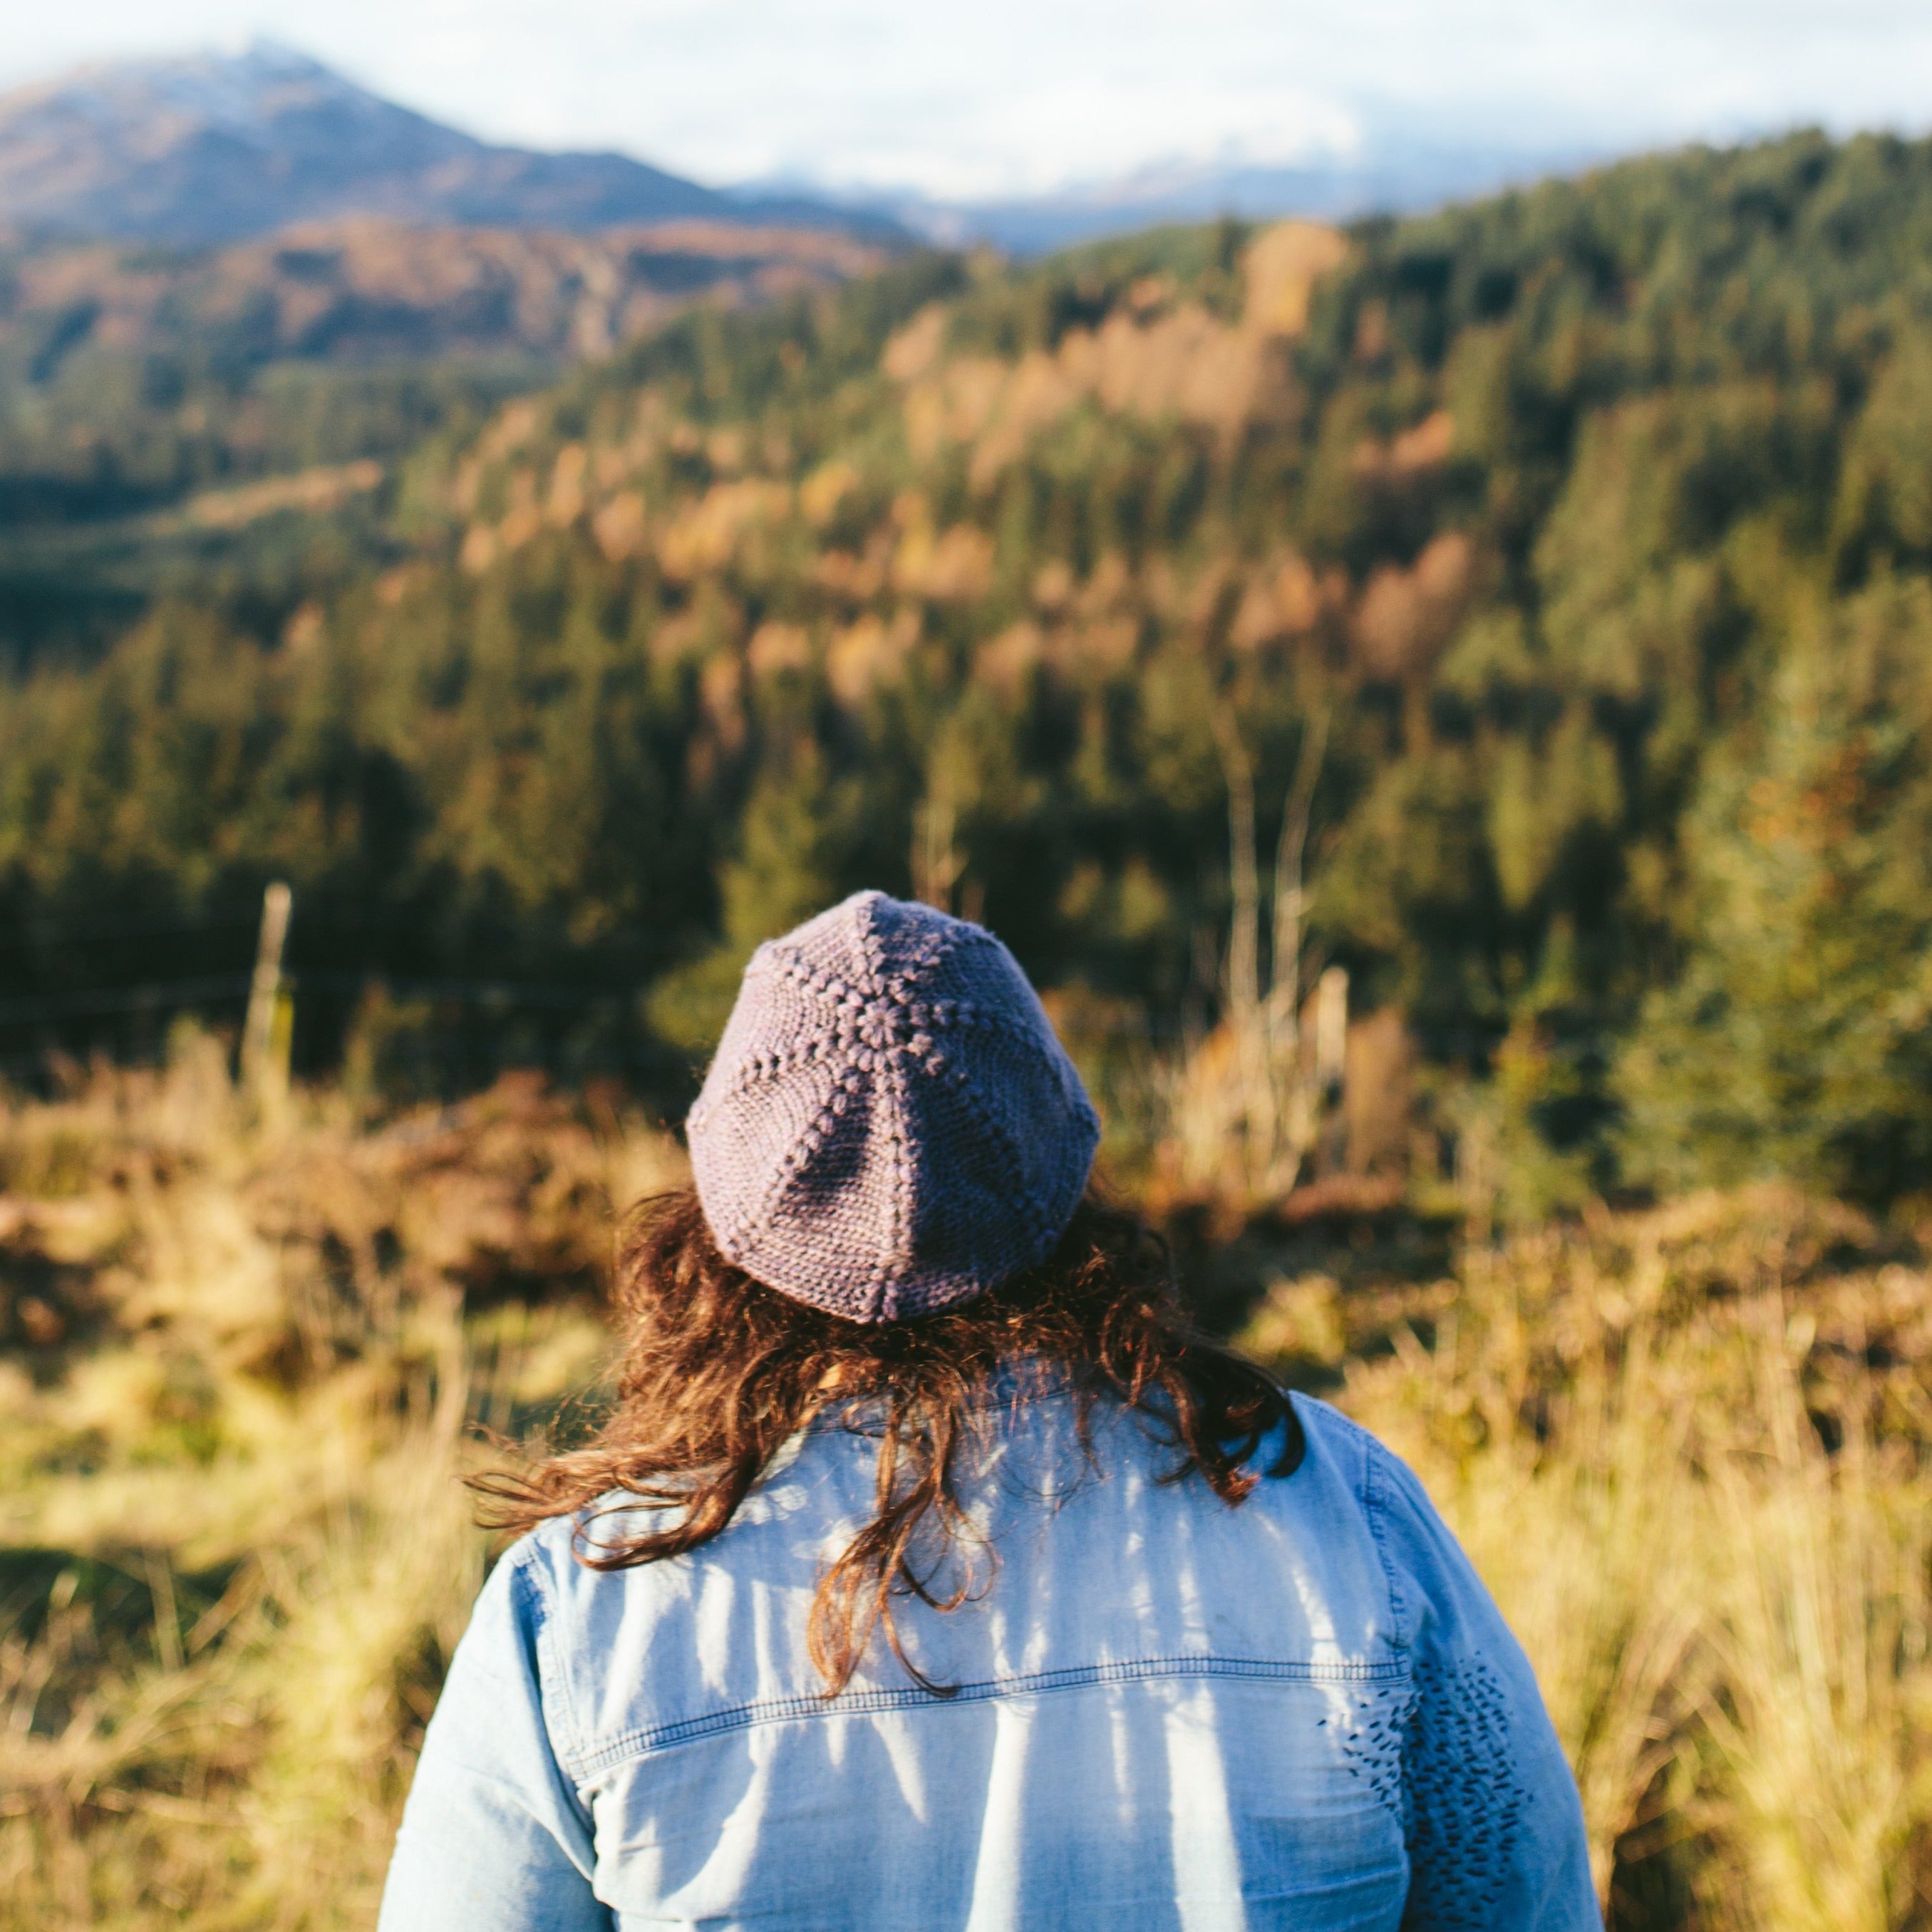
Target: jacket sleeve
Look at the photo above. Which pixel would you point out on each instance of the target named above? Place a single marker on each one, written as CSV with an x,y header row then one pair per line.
x,y
493,1838
1494,1826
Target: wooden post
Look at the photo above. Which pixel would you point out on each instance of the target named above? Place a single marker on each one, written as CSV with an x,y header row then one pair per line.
x,y
1331,1033
266,1034
1331,1062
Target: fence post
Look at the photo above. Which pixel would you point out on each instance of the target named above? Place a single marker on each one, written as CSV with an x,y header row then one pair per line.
x,y
1331,1061
267,1032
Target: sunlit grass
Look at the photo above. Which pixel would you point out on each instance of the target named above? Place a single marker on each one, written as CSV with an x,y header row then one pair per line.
x,y
241,1390
243,1371
1688,1451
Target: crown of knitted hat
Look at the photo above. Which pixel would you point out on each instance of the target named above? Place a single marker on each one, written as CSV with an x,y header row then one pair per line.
x,y
890,1125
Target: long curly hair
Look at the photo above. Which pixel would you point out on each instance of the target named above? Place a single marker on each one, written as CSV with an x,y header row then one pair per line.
x,y
718,1372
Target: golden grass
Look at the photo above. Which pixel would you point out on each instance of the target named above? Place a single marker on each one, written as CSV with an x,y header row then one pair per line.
x,y
234,1552
1627,1423
242,1368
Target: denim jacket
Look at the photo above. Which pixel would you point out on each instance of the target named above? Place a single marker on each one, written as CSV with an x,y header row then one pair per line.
x,y
1302,1711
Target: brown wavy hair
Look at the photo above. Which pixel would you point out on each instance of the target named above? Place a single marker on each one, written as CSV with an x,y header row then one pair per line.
x,y
719,1371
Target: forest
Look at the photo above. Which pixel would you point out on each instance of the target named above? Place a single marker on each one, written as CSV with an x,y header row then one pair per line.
x,y
1523,608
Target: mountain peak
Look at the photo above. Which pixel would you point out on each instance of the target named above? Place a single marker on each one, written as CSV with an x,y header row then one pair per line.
x,y
216,146
237,93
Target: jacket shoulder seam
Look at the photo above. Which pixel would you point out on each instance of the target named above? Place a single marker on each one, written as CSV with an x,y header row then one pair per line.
x,y
1376,1497
559,1713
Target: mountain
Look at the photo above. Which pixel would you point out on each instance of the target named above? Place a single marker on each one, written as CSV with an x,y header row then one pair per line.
x,y
233,291
213,148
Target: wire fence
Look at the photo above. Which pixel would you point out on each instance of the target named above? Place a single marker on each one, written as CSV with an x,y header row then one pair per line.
x,y
126,1018
72,995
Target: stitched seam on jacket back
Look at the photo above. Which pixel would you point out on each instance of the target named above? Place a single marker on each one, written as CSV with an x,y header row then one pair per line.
x,y
1373,1508
864,1703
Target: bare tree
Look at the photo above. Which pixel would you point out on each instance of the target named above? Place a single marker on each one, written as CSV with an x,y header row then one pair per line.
x,y
1282,1090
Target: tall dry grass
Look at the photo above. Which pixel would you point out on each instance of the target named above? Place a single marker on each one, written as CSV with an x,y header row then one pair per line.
x,y
1688,1451
243,1370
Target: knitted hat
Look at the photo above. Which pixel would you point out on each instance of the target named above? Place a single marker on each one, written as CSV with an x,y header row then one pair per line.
x,y
890,1125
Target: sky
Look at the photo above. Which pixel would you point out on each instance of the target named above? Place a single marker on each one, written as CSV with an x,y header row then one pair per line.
x,y
998,98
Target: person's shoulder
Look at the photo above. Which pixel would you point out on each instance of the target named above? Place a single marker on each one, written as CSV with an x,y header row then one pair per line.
x,y
522,1592
1326,1427
1385,1483
1332,1477
1430,1574
1418,1551
553,1539
1334,1448
556,1562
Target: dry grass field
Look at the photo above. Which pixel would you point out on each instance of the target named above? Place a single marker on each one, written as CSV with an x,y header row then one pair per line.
x,y
242,1366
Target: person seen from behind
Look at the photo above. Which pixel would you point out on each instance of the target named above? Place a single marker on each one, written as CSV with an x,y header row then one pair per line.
x,y
930,1574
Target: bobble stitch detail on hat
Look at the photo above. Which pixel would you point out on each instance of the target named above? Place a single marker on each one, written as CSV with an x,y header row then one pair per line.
x,y
969,1155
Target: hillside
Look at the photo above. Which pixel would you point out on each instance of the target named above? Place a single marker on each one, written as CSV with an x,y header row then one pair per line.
x,y
134,378
1543,586
213,148
367,290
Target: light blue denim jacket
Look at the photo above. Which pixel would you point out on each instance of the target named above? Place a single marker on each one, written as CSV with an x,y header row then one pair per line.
x,y
1304,1711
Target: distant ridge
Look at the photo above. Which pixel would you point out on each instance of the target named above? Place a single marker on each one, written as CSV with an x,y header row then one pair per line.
x,y
1397,164
1393,178
213,148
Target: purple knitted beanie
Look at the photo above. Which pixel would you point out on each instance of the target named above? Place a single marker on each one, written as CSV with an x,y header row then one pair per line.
x,y
890,1125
